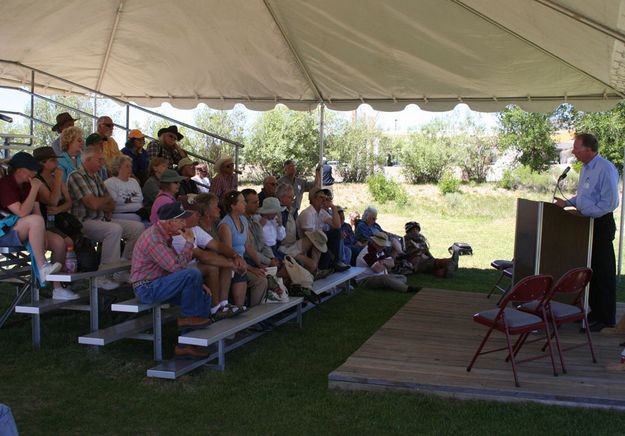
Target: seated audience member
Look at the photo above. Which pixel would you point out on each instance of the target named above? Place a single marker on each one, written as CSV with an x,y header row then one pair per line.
x,y
94,206
351,246
160,274
271,221
368,225
63,121
71,145
152,185
264,253
95,140
270,184
376,262
186,168
215,259
233,231
22,221
166,146
125,190
110,149
140,158
299,185
225,180
354,219
54,199
290,245
201,178
418,254
315,217
169,186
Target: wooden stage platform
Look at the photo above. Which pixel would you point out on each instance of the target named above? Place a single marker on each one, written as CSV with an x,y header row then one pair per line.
x,y
427,345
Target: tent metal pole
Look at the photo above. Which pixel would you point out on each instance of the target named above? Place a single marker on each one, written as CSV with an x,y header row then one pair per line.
x,y
321,138
620,232
32,107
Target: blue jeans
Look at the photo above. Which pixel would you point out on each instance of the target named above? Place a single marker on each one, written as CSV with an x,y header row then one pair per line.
x,y
7,423
183,288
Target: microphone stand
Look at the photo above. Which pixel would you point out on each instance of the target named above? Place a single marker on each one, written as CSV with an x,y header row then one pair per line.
x,y
556,188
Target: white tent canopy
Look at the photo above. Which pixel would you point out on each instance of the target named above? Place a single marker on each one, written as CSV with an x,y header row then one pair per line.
x,y
434,53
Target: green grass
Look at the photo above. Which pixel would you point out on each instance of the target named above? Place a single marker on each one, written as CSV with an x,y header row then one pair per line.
x,y
278,383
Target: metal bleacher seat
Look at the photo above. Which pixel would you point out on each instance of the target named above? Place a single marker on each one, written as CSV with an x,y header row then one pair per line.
x,y
15,270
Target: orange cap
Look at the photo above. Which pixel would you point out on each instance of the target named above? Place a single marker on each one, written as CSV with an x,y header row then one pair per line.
x,y
135,134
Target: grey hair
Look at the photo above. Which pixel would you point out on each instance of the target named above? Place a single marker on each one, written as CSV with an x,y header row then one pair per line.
x,y
89,151
117,163
368,212
283,189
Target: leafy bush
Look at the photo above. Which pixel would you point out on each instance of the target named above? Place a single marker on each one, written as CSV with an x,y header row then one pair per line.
x,y
524,178
448,184
425,155
384,190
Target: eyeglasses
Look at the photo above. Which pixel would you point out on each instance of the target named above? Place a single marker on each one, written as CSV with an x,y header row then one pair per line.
x,y
107,124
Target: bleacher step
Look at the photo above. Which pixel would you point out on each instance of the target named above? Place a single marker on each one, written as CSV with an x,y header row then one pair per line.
x,y
324,285
123,330
134,306
48,304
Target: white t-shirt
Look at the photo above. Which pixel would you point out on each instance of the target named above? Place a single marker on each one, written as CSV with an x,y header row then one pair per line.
x,y
201,239
309,218
127,195
204,181
272,232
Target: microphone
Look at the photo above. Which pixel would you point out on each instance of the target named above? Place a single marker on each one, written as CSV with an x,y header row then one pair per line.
x,y
564,173
6,118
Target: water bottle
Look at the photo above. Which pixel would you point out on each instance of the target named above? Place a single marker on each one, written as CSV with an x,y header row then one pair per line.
x,y
50,221
71,262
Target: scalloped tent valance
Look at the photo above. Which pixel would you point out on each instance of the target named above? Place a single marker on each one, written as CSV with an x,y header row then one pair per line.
x,y
433,53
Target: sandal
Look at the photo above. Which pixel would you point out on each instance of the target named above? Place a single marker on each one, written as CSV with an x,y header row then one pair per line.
x,y
227,311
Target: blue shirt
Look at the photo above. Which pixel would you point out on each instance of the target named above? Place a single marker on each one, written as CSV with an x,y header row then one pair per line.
x,y
365,232
597,190
65,162
140,162
238,238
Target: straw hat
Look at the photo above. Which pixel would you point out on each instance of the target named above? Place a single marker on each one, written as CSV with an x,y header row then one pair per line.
x,y
381,239
221,161
318,239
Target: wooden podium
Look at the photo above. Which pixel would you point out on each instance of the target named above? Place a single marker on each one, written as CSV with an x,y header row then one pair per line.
x,y
549,240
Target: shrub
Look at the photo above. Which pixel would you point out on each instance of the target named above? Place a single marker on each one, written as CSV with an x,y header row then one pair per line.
x,y
448,184
384,190
425,157
524,178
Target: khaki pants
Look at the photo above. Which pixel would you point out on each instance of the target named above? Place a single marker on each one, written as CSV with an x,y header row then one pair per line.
x,y
394,282
110,234
256,287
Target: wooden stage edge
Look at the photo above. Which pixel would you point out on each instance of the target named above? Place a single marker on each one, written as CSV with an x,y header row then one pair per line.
x,y
426,346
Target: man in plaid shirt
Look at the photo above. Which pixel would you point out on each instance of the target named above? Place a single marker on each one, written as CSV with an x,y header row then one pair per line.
x,y
166,146
160,274
92,204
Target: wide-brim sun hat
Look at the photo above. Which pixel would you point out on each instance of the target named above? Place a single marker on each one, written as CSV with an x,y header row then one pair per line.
x,y
318,239
381,239
221,161
170,176
271,205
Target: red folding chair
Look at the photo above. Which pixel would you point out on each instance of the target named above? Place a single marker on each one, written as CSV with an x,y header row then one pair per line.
x,y
572,282
511,321
505,266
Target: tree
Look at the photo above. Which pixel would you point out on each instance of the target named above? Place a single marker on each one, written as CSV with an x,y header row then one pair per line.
x,y
228,124
530,134
354,146
473,149
609,128
282,134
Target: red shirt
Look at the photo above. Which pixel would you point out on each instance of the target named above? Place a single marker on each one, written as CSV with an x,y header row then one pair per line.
x,y
11,192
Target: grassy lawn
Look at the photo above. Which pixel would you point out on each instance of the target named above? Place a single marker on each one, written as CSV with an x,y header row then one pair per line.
x,y
278,383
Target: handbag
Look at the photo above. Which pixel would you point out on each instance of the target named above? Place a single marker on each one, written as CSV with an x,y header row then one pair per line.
x,y
462,247
276,291
298,274
68,224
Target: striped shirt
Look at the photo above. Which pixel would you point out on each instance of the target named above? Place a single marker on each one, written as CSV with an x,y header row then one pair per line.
x,y
80,184
221,183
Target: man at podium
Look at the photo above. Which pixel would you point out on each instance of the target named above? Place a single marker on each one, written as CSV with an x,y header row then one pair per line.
x,y
597,197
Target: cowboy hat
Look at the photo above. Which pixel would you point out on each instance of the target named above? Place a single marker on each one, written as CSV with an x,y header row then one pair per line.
x,y
170,129
221,161
44,153
61,119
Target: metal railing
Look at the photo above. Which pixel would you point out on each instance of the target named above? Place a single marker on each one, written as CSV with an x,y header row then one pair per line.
x,y
95,95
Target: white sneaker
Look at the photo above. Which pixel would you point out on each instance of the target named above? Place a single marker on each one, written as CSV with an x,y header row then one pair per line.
x,y
64,294
47,269
106,283
122,277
